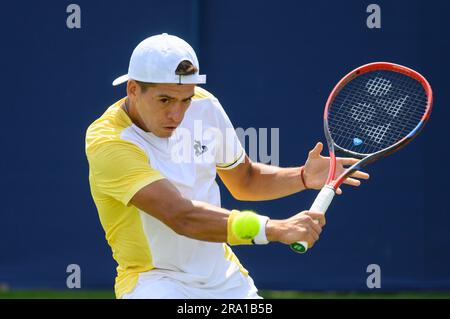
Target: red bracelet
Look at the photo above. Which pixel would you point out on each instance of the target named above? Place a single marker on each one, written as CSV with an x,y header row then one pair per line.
x,y
302,169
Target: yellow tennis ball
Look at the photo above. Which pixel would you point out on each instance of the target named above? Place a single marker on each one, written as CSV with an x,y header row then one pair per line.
x,y
245,225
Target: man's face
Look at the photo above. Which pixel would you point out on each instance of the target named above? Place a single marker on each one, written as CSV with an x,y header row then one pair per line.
x,y
161,107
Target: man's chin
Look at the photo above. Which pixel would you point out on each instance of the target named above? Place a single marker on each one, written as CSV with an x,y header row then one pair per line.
x,y
164,133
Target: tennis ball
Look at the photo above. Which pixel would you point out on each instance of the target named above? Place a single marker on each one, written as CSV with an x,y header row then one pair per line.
x,y
245,225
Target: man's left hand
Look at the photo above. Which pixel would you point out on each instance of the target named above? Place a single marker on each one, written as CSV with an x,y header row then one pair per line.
x,y
317,166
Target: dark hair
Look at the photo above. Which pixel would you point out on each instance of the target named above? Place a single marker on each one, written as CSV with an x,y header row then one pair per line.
x,y
184,68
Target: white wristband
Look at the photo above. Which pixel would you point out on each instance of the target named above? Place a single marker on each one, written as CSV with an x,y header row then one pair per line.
x,y
260,238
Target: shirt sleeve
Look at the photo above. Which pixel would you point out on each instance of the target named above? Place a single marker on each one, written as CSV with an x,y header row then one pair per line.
x,y
120,169
230,152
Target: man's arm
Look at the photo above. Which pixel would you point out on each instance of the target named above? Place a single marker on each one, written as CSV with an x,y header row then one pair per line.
x,y
256,181
251,181
202,221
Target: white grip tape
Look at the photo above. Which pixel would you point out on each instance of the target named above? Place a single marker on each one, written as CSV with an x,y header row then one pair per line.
x,y
323,200
320,205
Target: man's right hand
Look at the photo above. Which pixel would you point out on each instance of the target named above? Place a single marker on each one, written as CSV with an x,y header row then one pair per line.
x,y
305,226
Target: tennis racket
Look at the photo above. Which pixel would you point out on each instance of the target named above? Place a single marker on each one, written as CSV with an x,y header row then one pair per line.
x,y
371,113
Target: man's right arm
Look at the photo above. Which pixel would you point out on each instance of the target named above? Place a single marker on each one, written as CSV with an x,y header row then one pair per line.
x,y
139,184
203,221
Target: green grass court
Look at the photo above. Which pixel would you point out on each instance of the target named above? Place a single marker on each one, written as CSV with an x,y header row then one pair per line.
x,y
268,294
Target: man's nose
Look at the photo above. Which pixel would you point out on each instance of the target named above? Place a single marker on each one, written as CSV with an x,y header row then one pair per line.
x,y
176,114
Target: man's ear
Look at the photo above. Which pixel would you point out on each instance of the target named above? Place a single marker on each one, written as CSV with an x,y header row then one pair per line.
x,y
133,89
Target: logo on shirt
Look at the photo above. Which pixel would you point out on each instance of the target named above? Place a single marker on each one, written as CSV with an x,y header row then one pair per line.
x,y
199,148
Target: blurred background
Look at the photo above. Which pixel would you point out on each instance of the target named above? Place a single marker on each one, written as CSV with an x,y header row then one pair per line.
x,y
272,64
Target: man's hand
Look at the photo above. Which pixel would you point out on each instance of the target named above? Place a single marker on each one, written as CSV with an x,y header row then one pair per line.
x,y
305,226
317,166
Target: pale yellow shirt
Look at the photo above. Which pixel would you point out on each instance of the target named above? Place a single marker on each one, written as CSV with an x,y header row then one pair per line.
x,y
123,159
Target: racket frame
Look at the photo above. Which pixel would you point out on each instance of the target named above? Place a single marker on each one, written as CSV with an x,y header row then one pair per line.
x,y
326,195
366,159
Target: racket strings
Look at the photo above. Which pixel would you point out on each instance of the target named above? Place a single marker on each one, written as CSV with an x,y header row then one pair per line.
x,y
375,110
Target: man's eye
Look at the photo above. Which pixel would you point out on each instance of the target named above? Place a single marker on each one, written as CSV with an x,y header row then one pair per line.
x,y
164,101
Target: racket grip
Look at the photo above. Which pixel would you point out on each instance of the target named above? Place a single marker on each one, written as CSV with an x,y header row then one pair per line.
x,y
321,203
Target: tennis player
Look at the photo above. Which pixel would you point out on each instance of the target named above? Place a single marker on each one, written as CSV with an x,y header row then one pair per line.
x,y
153,159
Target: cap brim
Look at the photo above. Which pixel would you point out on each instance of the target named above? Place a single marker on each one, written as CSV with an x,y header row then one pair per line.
x,y
183,79
121,79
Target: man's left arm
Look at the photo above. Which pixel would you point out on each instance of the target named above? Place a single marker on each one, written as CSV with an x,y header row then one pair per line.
x,y
251,181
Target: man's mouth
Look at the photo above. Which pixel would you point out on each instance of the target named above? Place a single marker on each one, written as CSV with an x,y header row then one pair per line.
x,y
170,127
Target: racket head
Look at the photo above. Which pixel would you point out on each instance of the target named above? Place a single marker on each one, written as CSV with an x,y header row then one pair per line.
x,y
374,111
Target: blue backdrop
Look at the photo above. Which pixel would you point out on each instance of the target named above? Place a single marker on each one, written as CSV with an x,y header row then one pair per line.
x,y
272,64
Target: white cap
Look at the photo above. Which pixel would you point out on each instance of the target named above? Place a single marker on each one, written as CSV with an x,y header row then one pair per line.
x,y
156,58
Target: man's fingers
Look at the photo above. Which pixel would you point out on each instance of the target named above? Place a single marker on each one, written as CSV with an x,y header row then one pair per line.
x,y
311,224
314,235
320,217
350,161
361,175
352,182
315,152
347,160
311,240
316,228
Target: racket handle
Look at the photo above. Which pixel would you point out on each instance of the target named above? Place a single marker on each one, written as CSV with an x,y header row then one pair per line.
x,y
321,203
